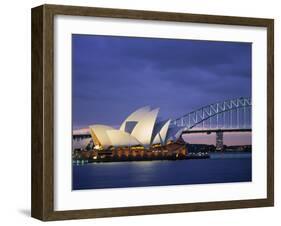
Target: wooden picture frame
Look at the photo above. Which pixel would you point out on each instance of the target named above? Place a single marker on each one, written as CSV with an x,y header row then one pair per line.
x,y
43,112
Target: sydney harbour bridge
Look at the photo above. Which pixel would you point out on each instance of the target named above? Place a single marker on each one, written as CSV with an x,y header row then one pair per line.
x,y
234,115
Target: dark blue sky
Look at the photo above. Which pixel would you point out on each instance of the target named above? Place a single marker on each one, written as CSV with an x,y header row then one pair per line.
x,y
113,76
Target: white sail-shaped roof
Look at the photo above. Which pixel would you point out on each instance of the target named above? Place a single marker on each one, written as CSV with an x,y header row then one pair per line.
x,y
144,128
99,135
160,132
131,121
173,134
140,128
120,138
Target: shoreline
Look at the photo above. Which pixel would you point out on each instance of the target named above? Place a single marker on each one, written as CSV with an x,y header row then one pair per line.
x,y
189,156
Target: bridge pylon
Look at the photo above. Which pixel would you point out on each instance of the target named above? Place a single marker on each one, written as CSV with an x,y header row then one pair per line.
x,y
219,141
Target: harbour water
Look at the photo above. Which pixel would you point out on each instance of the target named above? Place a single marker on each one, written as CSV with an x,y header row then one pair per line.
x,y
220,168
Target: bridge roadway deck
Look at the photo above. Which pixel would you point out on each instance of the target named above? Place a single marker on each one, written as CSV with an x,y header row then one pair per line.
x,y
214,130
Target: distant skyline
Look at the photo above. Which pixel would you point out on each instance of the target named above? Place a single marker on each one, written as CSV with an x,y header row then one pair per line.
x,y
242,138
113,76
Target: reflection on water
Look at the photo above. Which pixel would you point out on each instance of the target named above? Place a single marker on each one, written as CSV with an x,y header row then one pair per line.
x,y
230,155
220,168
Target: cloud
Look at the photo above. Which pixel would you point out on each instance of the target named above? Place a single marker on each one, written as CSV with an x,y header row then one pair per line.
x,y
113,76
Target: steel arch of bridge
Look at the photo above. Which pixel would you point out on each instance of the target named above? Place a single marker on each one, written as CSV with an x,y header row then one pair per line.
x,y
202,114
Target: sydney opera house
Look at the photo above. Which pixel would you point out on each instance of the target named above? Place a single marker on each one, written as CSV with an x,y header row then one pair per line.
x,y
141,128
141,132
